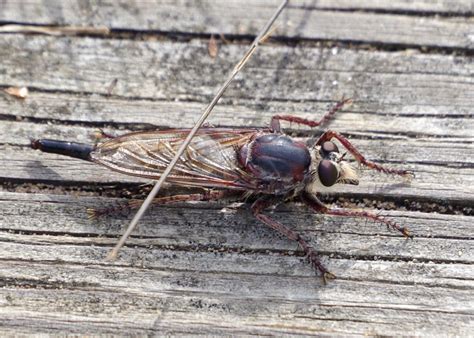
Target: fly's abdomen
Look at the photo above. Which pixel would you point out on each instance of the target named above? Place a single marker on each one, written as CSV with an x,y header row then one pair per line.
x,y
71,149
275,157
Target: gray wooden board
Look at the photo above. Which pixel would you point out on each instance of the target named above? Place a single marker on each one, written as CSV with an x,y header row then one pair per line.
x,y
58,12
304,19
190,267
211,267
184,71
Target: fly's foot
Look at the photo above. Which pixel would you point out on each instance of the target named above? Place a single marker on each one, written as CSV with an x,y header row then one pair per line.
x,y
328,275
408,175
406,232
402,229
375,217
317,265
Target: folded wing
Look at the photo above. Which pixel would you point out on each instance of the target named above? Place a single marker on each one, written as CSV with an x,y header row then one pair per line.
x,y
209,161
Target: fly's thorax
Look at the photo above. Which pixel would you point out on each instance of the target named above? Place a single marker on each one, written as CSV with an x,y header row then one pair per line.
x,y
276,159
328,168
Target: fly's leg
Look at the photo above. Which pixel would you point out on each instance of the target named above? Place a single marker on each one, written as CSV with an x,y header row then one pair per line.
x,y
275,123
314,203
330,134
102,134
312,255
127,207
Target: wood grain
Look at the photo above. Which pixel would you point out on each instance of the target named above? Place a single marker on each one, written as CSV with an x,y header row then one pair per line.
x,y
190,262
303,19
211,268
184,71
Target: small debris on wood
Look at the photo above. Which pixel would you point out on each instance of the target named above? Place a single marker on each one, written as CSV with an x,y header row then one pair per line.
x,y
111,87
19,92
55,30
212,47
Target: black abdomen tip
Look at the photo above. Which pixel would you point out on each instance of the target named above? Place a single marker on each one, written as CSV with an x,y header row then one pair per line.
x,y
71,149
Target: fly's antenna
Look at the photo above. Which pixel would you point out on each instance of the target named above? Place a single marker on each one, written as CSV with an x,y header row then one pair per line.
x,y
258,40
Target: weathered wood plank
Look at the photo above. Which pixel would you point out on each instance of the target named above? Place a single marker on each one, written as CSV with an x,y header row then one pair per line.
x,y
56,12
176,276
364,118
174,71
338,236
302,19
192,263
62,207
173,292
176,311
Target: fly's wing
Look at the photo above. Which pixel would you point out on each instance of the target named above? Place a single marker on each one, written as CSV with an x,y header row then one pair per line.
x,y
209,161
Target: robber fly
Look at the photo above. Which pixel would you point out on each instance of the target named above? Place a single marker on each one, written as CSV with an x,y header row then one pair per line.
x,y
262,161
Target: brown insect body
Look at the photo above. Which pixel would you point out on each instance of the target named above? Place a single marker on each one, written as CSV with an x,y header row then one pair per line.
x,y
246,159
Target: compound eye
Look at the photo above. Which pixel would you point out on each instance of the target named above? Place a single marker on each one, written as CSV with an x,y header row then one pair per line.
x,y
329,147
327,172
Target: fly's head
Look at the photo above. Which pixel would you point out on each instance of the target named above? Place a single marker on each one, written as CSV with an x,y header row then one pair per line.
x,y
328,167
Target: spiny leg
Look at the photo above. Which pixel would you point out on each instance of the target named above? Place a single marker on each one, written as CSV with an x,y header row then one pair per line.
x,y
263,203
314,203
135,203
275,123
330,134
